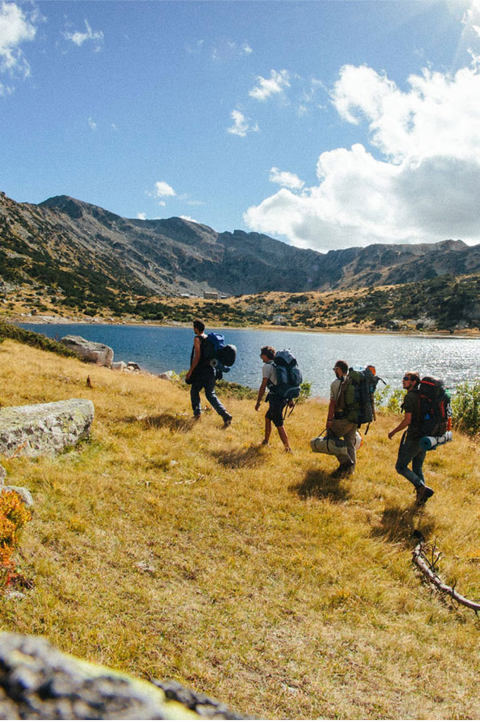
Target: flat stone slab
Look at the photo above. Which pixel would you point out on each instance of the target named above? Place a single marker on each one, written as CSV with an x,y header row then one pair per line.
x,y
38,682
44,428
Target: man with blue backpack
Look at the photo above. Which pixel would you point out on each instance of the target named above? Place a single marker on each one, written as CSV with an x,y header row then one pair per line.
x,y
202,374
282,377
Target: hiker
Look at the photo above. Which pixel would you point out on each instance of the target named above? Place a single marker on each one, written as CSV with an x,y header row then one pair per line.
x,y
337,423
410,449
276,403
201,375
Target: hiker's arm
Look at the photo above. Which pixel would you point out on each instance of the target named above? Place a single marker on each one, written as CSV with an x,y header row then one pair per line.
x,y
261,391
196,356
406,421
331,412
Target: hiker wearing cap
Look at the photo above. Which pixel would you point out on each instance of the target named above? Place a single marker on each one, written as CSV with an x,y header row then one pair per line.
x,y
201,375
276,403
337,423
410,450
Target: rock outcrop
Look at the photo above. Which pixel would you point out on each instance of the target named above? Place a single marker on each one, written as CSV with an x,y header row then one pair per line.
x,y
92,351
39,682
44,428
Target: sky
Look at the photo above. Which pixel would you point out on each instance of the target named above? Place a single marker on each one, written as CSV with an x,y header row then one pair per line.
x,y
324,123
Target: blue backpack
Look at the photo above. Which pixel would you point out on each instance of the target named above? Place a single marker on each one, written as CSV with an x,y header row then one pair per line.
x,y
220,355
289,376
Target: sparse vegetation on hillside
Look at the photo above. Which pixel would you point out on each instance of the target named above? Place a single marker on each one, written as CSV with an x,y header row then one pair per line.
x,y
179,550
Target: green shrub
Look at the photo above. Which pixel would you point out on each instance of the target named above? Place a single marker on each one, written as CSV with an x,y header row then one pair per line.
x,y
466,407
37,340
389,399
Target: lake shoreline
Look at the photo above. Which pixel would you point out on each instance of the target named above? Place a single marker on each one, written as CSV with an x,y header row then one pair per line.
x,y
57,320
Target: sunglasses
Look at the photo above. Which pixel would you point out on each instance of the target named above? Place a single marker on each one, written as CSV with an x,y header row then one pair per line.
x,y
407,378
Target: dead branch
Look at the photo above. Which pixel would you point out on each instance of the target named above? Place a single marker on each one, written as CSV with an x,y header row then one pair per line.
x,y
428,571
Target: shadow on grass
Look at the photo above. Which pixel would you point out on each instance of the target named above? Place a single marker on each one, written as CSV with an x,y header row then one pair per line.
x,y
163,421
321,485
398,524
238,458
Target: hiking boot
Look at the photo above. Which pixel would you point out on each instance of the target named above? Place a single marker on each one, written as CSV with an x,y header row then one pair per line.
x,y
227,421
424,493
346,467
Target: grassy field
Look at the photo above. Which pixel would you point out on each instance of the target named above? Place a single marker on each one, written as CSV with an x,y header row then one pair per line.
x,y
171,549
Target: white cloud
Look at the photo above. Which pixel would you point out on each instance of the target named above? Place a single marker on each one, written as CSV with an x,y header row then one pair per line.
x,y
92,124
79,38
16,28
471,17
286,179
418,184
275,85
241,126
246,49
163,190
142,216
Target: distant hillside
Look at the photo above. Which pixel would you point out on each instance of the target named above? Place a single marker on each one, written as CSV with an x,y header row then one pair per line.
x,y
88,256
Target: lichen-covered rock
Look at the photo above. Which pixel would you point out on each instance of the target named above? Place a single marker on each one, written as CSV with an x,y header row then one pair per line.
x,y
39,682
91,351
22,492
3,474
44,428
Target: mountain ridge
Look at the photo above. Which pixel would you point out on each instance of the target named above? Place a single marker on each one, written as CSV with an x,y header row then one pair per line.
x,y
65,237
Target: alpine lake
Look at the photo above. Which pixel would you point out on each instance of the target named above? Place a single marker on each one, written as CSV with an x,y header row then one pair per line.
x,y
159,348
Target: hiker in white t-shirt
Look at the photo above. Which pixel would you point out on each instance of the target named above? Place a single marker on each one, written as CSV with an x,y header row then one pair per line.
x,y
276,403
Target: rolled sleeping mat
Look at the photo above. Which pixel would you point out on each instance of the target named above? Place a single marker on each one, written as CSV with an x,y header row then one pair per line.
x,y
329,445
428,443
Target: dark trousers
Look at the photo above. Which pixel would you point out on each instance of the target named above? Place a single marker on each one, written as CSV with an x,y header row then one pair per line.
x,y
410,451
207,383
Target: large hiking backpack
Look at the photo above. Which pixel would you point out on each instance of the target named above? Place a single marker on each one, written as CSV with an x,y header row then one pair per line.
x,y
358,395
220,355
434,407
289,376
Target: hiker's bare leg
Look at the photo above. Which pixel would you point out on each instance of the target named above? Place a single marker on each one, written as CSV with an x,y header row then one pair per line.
x,y
283,435
268,431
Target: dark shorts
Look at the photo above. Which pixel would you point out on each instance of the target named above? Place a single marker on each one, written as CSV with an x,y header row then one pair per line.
x,y
275,409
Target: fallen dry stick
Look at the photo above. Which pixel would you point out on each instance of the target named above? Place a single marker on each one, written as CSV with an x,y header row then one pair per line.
x,y
428,570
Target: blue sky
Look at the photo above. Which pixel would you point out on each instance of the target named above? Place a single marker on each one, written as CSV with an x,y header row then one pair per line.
x,y
324,123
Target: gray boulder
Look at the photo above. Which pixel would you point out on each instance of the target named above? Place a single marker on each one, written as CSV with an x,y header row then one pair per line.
x,y
44,428
91,351
118,366
22,492
39,682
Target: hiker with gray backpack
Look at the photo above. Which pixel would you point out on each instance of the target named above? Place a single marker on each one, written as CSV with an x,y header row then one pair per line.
x,y
282,377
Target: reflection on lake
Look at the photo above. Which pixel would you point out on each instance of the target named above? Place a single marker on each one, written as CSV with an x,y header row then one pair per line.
x,y
159,349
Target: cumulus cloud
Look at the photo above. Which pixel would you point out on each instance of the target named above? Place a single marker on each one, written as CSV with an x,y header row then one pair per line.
x,y
16,28
163,190
142,216
241,126
286,179
417,183
268,87
79,38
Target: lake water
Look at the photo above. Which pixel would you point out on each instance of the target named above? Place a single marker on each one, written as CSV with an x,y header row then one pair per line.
x,y
159,349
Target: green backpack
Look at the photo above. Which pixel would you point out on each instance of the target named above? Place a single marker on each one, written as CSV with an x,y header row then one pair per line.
x,y
357,396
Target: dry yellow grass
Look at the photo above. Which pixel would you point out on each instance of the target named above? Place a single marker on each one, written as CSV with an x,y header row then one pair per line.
x,y
173,549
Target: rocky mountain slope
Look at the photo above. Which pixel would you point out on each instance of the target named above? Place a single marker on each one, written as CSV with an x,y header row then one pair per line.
x,y
87,252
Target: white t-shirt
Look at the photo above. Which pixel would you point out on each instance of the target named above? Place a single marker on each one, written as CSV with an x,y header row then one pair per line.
x,y
270,372
335,389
